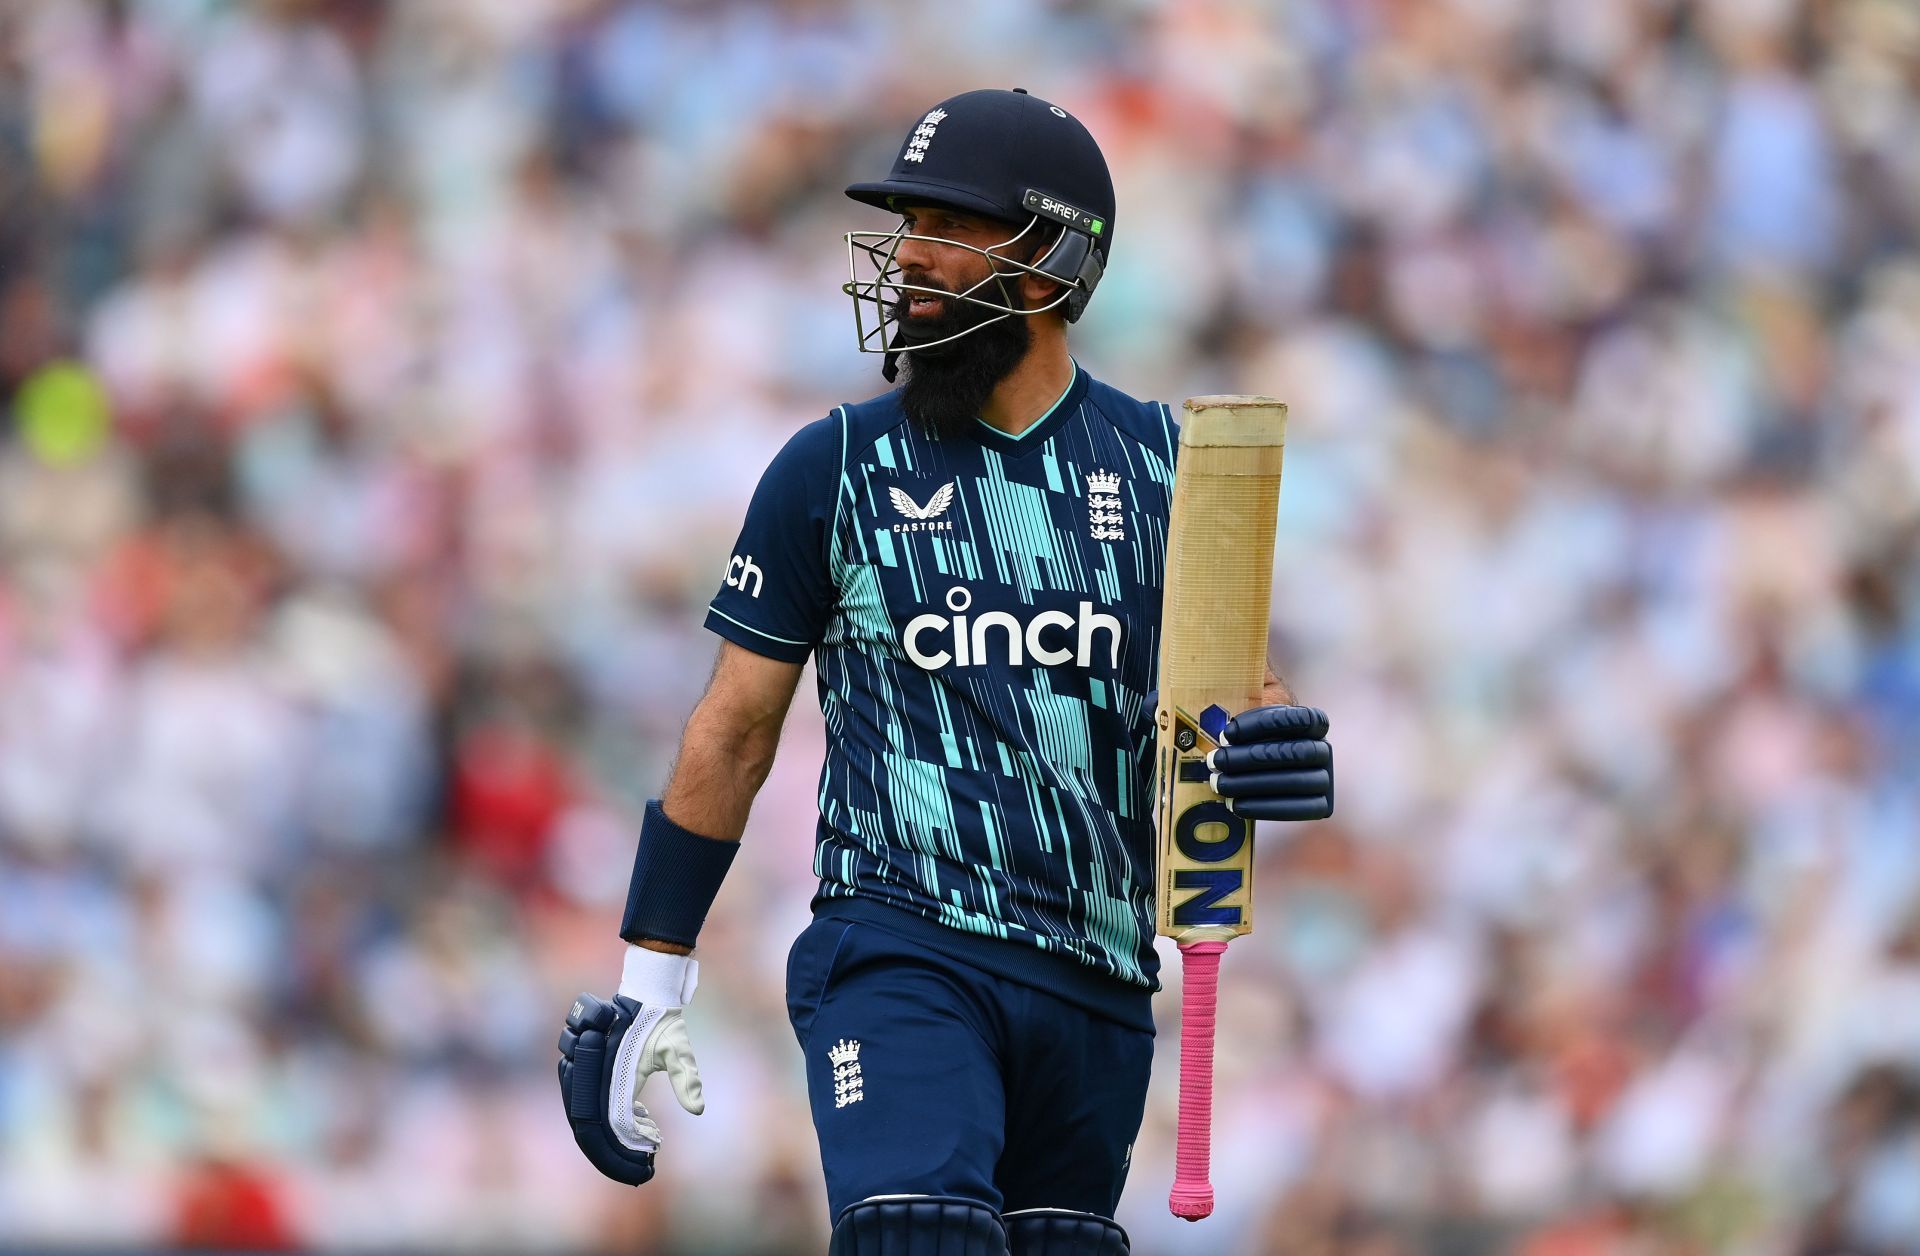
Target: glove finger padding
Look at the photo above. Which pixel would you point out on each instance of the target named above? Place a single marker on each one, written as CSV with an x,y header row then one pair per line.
x,y
588,1045
1268,756
1305,783
1274,763
1276,723
1282,808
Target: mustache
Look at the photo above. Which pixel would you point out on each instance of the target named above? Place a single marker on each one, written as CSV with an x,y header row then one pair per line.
x,y
922,286
954,315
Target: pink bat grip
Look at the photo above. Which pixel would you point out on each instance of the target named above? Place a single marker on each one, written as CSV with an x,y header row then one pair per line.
x,y
1192,1196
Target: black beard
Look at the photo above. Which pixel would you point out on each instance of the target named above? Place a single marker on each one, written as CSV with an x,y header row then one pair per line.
x,y
946,386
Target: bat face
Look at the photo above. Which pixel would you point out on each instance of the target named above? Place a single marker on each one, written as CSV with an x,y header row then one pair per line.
x,y
1206,858
1213,654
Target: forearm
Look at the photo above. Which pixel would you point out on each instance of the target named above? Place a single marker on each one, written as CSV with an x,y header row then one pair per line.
x,y
712,785
691,834
717,774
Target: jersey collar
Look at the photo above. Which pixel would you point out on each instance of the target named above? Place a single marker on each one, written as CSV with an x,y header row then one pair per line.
x,y
1036,434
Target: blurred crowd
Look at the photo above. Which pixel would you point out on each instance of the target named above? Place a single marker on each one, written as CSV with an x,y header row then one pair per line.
x,y
381,385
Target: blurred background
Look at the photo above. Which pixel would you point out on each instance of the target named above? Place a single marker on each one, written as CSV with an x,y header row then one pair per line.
x,y
381,386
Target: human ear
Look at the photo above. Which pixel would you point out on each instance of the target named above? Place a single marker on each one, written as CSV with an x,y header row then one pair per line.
x,y
1038,290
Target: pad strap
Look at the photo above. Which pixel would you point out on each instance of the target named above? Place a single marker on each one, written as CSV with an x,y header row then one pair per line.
x,y
676,874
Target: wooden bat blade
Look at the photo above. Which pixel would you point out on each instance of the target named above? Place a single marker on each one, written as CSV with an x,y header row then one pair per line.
x,y
1213,653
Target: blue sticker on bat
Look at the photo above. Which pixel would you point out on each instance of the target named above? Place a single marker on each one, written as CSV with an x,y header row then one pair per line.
x,y
1214,884
1214,720
1226,832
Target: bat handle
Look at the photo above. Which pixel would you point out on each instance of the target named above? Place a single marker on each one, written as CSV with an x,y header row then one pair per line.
x,y
1192,1196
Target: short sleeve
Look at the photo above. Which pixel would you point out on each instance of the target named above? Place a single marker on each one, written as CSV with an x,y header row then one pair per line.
x,y
777,592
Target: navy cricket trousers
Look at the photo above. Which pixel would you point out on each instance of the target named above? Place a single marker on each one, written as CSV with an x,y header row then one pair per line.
x,y
928,1075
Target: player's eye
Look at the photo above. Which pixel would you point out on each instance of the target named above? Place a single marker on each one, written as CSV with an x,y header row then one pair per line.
x,y
938,227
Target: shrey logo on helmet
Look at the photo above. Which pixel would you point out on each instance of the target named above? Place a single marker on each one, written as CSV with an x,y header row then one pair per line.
x,y
1002,155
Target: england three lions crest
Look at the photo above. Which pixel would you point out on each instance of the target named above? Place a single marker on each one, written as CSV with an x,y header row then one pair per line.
x,y
1103,507
848,1085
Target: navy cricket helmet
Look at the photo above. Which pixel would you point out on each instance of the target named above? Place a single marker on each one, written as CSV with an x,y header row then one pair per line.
x,y
1005,155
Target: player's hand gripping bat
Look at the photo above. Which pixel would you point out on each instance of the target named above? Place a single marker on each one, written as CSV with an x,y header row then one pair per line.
x,y
1213,663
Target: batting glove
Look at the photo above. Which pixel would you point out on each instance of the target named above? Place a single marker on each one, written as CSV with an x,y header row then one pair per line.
x,y
609,1049
1274,763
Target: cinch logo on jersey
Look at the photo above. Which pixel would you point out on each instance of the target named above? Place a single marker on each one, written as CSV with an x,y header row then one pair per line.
x,y
924,516
968,642
739,571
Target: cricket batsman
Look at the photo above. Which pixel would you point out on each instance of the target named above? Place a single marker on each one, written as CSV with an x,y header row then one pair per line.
x,y
974,563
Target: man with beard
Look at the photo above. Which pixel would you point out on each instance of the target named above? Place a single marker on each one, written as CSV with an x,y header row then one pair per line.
x,y
973,561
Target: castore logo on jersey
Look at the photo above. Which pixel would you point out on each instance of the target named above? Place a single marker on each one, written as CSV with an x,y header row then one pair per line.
x,y
923,516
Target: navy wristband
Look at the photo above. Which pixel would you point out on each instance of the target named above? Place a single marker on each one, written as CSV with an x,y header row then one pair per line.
x,y
676,874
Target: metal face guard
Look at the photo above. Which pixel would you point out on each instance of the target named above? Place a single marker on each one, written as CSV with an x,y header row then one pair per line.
x,y
884,286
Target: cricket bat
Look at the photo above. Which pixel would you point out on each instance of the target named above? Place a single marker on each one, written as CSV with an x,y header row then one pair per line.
x,y
1213,665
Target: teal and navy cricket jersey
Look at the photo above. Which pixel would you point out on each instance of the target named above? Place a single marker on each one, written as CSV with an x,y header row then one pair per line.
x,y
984,616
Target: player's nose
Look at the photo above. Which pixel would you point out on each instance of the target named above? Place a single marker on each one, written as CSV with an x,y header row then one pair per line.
x,y
915,255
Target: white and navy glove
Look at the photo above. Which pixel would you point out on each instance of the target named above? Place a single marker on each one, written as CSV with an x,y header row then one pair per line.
x,y
609,1049
1274,763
